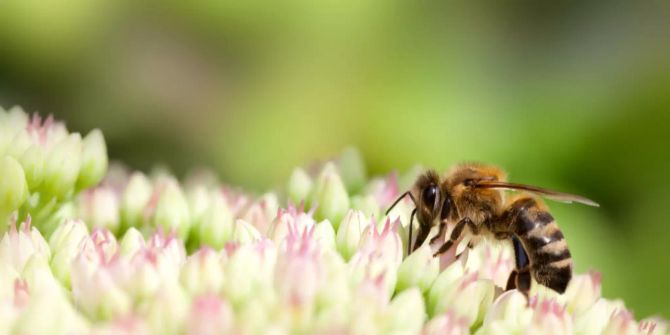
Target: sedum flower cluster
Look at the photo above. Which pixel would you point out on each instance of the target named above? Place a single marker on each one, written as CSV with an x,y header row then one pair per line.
x,y
148,254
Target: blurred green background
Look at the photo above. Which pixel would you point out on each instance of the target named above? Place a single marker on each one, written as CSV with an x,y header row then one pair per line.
x,y
572,95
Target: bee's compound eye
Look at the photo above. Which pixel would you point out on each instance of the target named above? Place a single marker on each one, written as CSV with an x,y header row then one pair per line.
x,y
429,194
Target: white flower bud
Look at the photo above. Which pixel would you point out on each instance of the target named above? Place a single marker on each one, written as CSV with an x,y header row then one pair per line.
x,y
406,313
216,225
324,234
243,232
330,196
39,277
19,144
202,273
10,124
299,186
93,160
29,154
384,240
98,294
248,272
197,197
168,311
50,313
596,318
68,234
65,244
172,210
131,243
99,208
420,269
32,161
61,167
582,292
13,188
337,292
349,232
469,297
511,308
17,246
155,265
134,200
445,282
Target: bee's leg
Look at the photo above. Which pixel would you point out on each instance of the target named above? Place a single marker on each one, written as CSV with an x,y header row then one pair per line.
x,y
411,227
520,276
421,236
440,231
455,234
511,281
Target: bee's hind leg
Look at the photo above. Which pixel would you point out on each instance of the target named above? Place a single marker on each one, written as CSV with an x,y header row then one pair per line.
x,y
520,276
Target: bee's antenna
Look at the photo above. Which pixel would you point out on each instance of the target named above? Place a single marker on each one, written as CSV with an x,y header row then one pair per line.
x,y
400,198
411,218
409,240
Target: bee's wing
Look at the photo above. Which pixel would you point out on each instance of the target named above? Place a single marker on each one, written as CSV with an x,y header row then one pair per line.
x,y
549,194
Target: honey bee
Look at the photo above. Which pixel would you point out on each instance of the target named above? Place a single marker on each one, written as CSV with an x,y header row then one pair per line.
x,y
471,196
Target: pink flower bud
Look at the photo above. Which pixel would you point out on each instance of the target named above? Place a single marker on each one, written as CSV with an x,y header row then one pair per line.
x,y
287,219
18,245
583,291
299,273
202,272
99,208
209,316
550,317
621,323
447,323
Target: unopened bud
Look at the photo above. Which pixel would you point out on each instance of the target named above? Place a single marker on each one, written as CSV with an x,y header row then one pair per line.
x,y
420,269
13,188
349,232
134,200
172,210
93,160
299,186
330,195
61,167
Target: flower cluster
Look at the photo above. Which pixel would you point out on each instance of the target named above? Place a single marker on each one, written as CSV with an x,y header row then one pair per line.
x,y
148,254
43,165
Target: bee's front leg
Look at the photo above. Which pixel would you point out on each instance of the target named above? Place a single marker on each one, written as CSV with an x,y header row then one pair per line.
x,y
455,235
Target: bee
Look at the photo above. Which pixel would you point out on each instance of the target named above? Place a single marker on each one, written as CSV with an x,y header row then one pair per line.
x,y
472,196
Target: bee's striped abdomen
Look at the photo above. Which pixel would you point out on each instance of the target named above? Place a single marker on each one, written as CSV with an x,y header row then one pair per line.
x,y
550,260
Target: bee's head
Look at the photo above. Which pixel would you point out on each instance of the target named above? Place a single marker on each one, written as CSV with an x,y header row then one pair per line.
x,y
432,200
